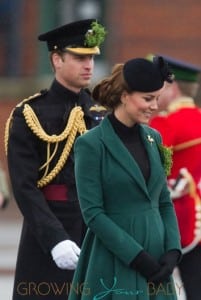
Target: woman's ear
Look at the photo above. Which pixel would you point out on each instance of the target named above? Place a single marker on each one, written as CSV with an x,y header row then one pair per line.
x,y
124,97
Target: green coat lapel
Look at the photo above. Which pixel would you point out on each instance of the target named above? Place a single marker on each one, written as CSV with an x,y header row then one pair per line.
x,y
121,154
151,144
116,147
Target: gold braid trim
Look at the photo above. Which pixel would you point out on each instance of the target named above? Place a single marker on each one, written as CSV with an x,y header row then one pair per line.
x,y
74,125
7,129
197,202
181,102
9,120
34,124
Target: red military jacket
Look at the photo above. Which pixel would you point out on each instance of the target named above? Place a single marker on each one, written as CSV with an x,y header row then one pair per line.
x,y
181,129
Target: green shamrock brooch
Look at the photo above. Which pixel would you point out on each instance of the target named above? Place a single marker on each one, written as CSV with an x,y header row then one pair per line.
x,y
166,155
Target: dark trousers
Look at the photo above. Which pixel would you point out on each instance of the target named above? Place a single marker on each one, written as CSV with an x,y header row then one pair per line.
x,y
190,271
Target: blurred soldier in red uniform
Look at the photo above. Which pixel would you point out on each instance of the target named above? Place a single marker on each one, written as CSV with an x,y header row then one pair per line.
x,y
179,122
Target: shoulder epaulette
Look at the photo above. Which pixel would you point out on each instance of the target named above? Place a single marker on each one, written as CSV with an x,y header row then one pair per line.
x,y
9,120
35,96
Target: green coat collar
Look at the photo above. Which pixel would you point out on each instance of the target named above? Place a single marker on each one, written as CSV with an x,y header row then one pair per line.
x,y
125,159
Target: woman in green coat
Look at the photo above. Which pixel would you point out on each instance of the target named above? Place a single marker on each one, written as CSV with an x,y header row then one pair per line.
x,y
132,244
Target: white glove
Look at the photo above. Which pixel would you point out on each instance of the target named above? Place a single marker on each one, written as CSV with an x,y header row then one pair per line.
x,y
181,188
66,255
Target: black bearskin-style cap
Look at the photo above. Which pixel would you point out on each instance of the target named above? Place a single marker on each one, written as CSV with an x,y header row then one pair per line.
x,y
80,37
145,76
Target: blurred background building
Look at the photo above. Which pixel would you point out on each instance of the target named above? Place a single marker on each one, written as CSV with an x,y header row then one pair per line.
x,y
135,28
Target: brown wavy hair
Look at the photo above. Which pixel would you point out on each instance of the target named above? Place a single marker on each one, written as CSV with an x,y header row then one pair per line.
x,y
109,90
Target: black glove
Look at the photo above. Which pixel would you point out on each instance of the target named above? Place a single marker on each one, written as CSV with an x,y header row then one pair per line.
x,y
161,276
170,259
145,264
168,262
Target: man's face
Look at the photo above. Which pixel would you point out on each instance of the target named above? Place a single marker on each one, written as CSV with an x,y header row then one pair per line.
x,y
167,96
73,71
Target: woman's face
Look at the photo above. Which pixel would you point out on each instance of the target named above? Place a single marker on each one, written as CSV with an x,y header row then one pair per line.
x,y
137,107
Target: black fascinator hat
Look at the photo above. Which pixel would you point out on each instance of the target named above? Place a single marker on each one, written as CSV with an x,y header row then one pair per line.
x,y
143,75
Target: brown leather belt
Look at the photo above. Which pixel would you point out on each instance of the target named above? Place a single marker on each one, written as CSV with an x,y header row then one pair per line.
x,y
55,192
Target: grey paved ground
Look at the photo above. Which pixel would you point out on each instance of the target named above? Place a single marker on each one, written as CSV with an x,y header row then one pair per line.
x,y
10,226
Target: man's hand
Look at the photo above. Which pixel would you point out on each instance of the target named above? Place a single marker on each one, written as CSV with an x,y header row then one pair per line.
x,y
66,255
180,190
180,186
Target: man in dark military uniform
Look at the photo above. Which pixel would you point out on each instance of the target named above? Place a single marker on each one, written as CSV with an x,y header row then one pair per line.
x,y
40,135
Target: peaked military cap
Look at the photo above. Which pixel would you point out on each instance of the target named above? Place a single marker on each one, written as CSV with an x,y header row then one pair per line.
x,y
80,37
182,70
143,75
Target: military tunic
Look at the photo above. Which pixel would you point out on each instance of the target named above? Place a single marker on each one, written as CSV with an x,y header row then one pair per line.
x,y
45,223
179,126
